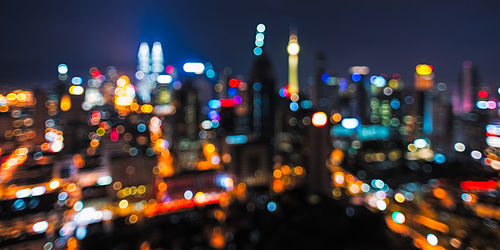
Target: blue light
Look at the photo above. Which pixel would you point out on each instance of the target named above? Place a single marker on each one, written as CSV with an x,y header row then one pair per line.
x,y
141,127
214,104
342,84
259,43
356,77
236,139
213,115
325,78
210,73
19,204
257,86
81,232
282,92
294,106
439,158
395,103
232,91
306,104
257,51
378,81
215,124
271,206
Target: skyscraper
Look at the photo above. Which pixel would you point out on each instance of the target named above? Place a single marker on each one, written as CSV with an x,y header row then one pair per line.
x,y
293,49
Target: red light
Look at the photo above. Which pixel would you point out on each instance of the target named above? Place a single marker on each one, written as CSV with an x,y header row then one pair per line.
x,y
169,69
227,102
233,83
114,135
95,73
482,94
478,185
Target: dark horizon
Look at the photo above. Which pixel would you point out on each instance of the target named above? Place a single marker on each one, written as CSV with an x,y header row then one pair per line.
x,y
387,37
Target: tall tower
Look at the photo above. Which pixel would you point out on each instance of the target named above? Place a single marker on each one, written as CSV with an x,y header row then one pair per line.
x,y
293,49
144,57
468,86
157,58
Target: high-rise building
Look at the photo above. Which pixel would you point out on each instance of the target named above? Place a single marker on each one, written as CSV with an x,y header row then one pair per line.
x,y
293,49
464,98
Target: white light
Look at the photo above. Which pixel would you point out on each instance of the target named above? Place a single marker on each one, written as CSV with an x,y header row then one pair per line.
x,y
62,69
76,80
76,90
293,49
493,141
381,205
188,194
164,79
78,206
365,187
432,239
459,147
196,68
420,143
36,191
261,28
476,154
104,180
23,193
40,227
350,123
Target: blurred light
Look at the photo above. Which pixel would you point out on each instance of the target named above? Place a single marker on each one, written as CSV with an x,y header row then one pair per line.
x,y
319,119
466,197
381,205
482,93
37,191
65,104
271,206
378,81
164,79
356,77
23,193
123,204
76,80
399,197
420,143
76,90
210,73
476,154
423,69
257,51
432,239
460,147
293,48
261,28
398,217
439,158
350,123
188,195
78,206
40,226
193,67
236,139
104,180
62,69
81,232
214,104
294,106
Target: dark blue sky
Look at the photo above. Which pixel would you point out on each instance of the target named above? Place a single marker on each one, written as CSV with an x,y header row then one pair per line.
x,y
388,36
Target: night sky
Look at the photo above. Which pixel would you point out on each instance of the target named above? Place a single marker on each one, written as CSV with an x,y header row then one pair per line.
x,y
387,36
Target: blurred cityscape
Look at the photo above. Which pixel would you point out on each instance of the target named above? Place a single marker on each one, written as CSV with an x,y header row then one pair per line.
x,y
193,157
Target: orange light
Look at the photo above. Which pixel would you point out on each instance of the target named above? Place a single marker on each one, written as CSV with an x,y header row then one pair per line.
x,y
65,103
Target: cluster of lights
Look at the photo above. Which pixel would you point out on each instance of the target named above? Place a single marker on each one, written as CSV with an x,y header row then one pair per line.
x,y
285,176
259,39
17,98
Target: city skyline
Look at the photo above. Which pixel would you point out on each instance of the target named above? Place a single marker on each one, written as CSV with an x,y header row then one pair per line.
x,y
349,37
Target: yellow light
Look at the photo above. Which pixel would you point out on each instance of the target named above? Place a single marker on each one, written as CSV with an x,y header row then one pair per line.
x,y
100,131
11,97
399,197
146,108
210,148
123,204
293,48
319,119
76,90
200,197
424,69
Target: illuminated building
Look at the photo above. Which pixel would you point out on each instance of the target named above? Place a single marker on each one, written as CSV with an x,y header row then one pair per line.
x,y
464,100
293,50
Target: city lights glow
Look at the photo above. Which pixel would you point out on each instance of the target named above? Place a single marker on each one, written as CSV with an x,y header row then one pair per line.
x,y
319,119
193,67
